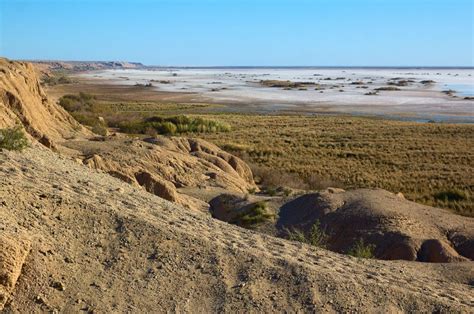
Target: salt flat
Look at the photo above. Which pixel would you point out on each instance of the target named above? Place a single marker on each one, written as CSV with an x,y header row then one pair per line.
x,y
421,95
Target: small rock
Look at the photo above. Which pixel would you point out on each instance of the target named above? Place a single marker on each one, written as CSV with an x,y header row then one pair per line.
x,y
58,285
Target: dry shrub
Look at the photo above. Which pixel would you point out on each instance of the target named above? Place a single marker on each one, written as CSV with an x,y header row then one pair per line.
x,y
275,178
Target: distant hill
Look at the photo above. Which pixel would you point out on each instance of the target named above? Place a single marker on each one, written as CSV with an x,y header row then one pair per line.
x,y
78,66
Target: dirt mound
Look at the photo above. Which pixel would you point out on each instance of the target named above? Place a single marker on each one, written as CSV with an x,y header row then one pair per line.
x,y
177,169
23,101
99,244
398,228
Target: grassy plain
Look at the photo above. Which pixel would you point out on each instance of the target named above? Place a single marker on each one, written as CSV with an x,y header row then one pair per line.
x,y
430,163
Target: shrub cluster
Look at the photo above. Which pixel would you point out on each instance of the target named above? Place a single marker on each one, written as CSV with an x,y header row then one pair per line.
x,y
83,108
362,250
173,125
55,80
75,103
13,139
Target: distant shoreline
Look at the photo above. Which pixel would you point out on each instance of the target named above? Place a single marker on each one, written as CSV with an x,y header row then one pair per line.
x,y
145,66
316,67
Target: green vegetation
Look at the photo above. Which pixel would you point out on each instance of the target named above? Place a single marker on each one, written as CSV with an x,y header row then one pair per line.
x,y
13,139
255,214
87,110
362,250
56,79
296,235
316,235
173,125
75,103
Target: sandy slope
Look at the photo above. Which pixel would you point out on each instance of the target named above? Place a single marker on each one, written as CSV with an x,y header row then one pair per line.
x,y
100,244
23,101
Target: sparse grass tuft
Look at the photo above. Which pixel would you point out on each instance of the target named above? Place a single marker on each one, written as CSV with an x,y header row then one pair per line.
x,y
13,139
316,235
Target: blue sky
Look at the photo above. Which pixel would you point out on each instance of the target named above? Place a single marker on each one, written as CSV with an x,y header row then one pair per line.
x,y
232,32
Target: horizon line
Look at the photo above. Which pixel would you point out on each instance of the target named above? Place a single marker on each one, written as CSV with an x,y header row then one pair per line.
x,y
258,66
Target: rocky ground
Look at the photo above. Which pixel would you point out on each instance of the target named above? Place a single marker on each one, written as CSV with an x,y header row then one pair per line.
x,y
99,244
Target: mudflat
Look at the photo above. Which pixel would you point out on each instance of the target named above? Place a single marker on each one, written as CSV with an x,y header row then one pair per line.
x,y
404,93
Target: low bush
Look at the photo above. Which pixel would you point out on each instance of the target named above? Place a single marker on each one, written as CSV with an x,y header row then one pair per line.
x,y
255,214
75,103
13,139
99,128
56,79
316,235
362,250
451,195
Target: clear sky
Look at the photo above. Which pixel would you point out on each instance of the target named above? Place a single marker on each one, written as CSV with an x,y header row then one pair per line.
x,y
242,32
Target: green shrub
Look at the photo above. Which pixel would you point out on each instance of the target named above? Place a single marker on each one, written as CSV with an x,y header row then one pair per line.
x,y
56,79
13,138
85,118
295,235
168,128
254,215
74,103
362,250
100,129
316,236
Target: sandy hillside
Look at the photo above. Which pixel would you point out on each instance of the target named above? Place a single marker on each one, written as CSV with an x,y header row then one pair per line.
x,y
100,244
23,101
